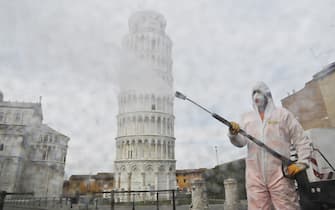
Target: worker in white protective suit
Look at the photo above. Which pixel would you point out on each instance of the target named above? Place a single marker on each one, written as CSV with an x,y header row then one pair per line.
x,y
277,128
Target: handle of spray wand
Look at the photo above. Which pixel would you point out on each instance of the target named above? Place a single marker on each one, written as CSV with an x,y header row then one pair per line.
x,y
285,161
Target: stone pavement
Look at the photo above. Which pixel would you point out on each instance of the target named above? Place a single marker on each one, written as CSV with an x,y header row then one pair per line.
x,y
163,207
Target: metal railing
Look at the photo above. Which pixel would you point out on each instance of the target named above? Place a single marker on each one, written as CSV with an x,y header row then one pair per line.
x,y
38,202
4,194
141,197
111,200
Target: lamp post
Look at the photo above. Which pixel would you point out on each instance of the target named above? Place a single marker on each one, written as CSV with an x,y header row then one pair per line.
x,y
216,153
88,183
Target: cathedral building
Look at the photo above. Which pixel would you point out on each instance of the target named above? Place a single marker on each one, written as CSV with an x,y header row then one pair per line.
x,y
145,142
32,155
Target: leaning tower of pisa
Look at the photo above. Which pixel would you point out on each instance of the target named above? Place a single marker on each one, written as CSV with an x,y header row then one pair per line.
x,y
145,142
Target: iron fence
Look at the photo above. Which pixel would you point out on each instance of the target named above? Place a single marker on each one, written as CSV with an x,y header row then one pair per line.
x,y
37,203
112,200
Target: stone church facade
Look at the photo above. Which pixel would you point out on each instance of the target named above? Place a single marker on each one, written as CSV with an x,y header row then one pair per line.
x,y
145,142
32,155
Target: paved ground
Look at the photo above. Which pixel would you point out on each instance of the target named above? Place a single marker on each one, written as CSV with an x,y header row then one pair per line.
x,y
166,207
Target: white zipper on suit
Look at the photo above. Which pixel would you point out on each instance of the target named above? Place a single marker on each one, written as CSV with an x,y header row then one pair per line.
x,y
262,126
263,139
263,150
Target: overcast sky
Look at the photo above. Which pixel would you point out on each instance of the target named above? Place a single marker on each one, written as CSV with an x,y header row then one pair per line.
x,y
67,52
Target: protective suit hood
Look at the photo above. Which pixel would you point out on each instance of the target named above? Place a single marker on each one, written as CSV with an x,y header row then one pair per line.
x,y
264,89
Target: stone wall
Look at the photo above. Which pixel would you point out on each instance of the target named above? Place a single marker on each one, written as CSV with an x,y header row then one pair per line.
x,y
314,105
308,106
327,87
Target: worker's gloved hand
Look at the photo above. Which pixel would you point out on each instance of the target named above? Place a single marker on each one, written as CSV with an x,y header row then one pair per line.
x,y
295,168
234,128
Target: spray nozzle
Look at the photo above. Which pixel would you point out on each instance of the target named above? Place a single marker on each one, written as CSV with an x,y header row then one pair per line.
x,y
180,95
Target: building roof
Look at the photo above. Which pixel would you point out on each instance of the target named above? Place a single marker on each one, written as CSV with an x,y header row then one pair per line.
x,y
191,171
37,107
47,129
104,176
233,161
96,176
330,68
327,70
80,177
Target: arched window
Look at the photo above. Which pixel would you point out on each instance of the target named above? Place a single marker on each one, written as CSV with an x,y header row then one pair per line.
x,y
7,117
159,104
146,124
17,116
152,149
153,102
168,127
164,104
164,126
1,116
153,44
134,101
159,125
152,125
146,101
133,125
140,124
123,126
44,155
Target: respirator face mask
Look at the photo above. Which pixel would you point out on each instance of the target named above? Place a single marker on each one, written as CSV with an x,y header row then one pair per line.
x,y
259,99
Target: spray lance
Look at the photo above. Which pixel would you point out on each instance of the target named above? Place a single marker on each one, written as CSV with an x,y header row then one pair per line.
x,y
285,161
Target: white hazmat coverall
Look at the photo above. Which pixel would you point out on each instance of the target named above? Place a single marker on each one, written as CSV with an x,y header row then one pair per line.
x,y
265,182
